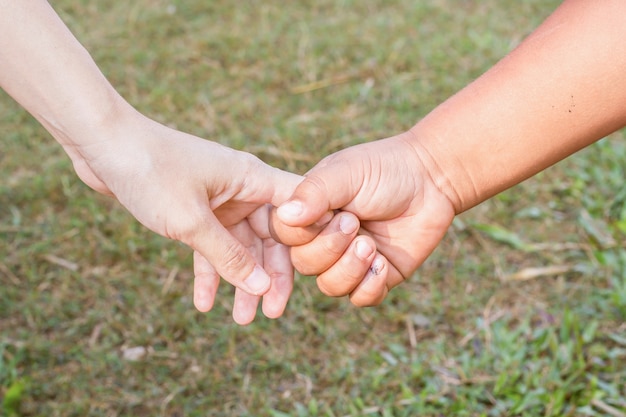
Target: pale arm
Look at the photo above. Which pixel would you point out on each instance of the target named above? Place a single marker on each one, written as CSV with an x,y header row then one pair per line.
x,y
206,195
46,70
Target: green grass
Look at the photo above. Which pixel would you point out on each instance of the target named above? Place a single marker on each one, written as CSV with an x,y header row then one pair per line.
x,y
82,282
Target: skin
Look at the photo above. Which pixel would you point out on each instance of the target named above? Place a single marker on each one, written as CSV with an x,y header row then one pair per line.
x,y
560,90
208,196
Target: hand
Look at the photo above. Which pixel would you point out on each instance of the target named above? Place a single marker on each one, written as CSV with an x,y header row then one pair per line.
x,y
404,215
208,196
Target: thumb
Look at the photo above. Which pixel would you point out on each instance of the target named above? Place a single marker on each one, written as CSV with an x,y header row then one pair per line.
x,y
323,189
283,185
230,258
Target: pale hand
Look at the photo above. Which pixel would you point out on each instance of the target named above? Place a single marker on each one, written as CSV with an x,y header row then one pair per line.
x,y
210,197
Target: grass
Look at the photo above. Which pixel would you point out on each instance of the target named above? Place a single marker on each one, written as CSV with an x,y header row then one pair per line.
x,y
520,312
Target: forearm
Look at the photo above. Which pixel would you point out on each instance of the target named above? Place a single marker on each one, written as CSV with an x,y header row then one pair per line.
x,y
46,70
563,88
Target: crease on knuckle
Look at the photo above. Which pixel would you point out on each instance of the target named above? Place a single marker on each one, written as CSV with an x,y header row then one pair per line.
x,y
234,259
331,245
326,290
316,185
341,286
368,298
299,236
303,267
358,302
309,260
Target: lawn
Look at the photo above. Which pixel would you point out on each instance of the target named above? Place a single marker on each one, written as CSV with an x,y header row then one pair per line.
x,y
521,311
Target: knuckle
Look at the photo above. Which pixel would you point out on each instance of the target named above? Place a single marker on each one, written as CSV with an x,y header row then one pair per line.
x,y
366,302
314,184
299,235
339,284
313,187
319,255
333,244
328,290
227,256
363,302
368,298
234,258
303,266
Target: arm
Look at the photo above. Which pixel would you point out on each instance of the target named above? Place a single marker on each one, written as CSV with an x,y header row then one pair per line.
x,y
46,70
208,196
563,88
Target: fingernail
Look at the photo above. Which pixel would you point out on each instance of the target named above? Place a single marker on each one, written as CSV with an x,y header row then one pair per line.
x,y
363,250
326,218
290,210
348,225
377,266
257,282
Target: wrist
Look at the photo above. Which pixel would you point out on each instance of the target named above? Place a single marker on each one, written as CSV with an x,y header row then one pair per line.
x,y
81,123
103,143
450,178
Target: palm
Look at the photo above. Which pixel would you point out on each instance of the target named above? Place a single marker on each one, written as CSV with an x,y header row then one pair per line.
x,y
409,239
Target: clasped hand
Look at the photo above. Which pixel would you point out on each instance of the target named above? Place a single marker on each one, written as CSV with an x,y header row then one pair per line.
x,y
403,216
362,220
